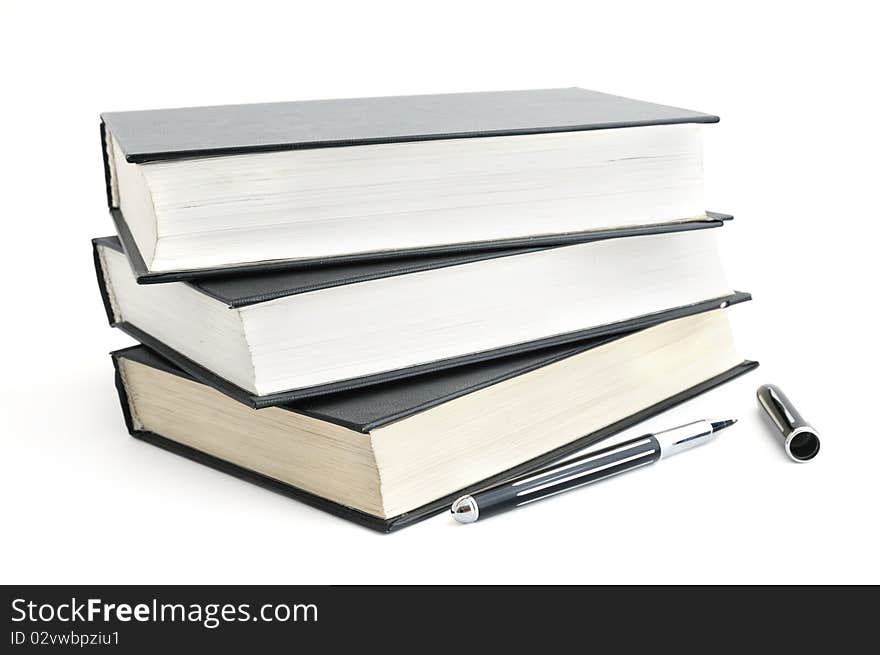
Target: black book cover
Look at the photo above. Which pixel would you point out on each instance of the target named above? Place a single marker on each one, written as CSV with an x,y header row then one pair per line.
x,y
162,134
367,409
238,292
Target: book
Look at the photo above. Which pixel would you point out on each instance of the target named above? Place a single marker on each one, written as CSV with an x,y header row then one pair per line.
x,y
279,337
389,455
241,187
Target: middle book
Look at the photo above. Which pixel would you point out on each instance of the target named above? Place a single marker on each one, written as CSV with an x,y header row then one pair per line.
x,y
278,337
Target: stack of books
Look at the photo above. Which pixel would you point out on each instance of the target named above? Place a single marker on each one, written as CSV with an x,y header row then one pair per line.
x,y
376,305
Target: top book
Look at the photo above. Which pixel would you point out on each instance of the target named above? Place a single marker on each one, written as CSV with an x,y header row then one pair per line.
x,y
219,189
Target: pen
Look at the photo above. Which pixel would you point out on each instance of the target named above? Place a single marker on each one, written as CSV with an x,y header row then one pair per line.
x,y
589,468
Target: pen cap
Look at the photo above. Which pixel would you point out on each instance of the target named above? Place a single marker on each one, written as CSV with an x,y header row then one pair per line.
x,y
800,440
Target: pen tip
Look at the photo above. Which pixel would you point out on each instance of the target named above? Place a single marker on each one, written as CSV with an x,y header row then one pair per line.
x,y
720,425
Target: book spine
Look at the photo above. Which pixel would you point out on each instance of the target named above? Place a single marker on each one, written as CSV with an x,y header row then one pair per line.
x,y
102,283
124,401
108,173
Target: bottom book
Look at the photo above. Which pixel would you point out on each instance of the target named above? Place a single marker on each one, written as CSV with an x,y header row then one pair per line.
x,y
390,455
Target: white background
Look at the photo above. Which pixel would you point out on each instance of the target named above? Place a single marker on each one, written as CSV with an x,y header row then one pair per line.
x,y
794,158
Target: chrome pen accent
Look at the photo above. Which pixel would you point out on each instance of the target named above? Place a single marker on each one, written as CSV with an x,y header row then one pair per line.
x,y
685,437
465,510
591,467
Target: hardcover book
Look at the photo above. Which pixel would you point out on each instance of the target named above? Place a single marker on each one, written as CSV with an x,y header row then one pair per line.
x,y
207,189
280,337
389,455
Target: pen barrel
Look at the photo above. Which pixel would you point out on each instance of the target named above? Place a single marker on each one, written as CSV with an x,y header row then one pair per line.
x,y
550,481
